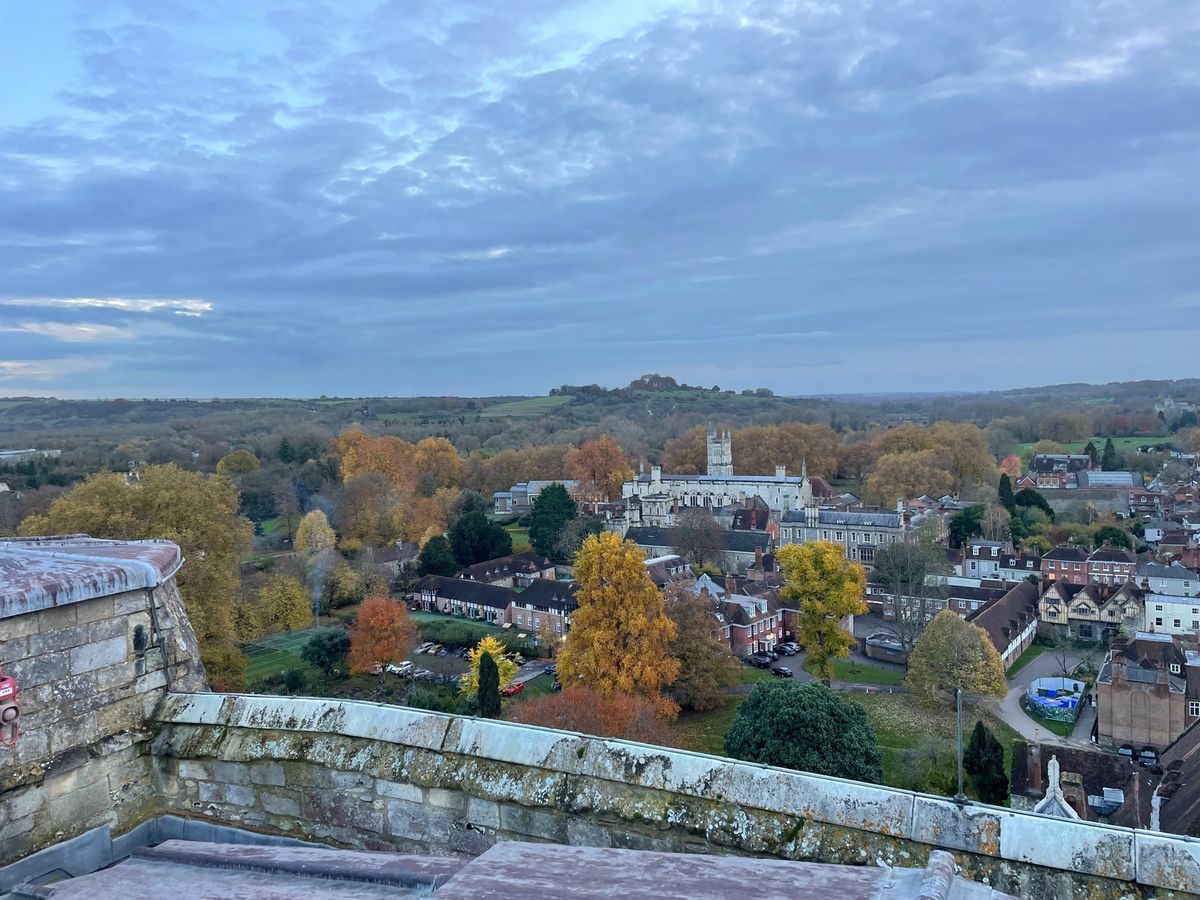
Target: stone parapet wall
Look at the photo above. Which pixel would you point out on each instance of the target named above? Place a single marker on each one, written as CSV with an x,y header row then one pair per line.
x,y
88,684
384,777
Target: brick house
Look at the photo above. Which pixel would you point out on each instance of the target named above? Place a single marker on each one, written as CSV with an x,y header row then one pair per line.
x,y
1090,612
1148,692
749,624
545,607
1066,562
1056,470
1110,565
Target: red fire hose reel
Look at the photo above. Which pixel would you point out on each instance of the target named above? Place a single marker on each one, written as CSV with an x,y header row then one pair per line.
x,y
10,715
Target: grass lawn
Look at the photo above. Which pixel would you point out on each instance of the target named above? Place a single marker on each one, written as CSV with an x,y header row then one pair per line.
x,y
1120,444
705,732
520,538
863,673
751,675
275,653
900,724
537,686
530,406
1032,652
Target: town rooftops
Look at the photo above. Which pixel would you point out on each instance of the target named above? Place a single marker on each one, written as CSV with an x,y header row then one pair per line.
x,y
1059,462
548,595
848,518
39,573
526,563
736,541
1067,553
1112,554
1004,619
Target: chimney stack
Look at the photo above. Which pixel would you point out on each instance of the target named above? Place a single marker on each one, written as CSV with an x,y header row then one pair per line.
x,y
781,471
656,474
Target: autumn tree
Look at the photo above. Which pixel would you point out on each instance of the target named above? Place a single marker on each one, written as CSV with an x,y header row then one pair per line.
x,y
706,667
902,570
572,536
363,514
610,715
362,454
806,727
314,534
436,458
196,511
286,603
620,635
688,453
489,687
475,538
1011,466
382,633
552,509
698,537
906,438
825,588
437,557
963,451
907,474
601,468
506,669
239,462
950,654
994,523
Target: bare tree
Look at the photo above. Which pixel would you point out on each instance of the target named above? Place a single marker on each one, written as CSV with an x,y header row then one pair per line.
x,y
902,570
698,536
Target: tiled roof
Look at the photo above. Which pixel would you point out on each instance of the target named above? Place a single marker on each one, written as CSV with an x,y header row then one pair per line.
x,y
1009,615
527,563
466,591
549,595
1067,552
737,541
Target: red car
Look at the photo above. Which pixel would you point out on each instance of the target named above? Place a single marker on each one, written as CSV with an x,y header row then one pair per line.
x,y
515,688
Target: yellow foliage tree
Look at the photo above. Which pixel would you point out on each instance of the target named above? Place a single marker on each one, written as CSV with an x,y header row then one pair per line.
x,y
907,474
286,603
239,462
362,454
436,457
507,669
601,468
314,534
196,511
962,449
620,635
952,653
825,588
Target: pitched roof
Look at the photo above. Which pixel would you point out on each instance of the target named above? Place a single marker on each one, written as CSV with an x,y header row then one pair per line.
x,y
1067,552
1010,614
526,563
549,595
465,591
1112,554
1180,813
737,541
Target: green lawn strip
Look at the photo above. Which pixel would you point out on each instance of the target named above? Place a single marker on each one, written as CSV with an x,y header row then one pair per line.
x,y
900,724
1120,444
705,732
520,538
1030,653
862,673
751,675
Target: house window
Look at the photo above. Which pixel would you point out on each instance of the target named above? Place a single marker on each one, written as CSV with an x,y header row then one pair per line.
x,y
1194,708
1177,623
1158,609
1175,668
1158,621
1049,565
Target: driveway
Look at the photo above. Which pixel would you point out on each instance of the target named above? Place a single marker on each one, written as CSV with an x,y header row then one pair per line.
x,y
1009,709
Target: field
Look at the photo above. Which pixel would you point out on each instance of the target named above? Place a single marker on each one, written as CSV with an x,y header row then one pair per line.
x,y
705,732
275,653
1120,444
527,408
520,538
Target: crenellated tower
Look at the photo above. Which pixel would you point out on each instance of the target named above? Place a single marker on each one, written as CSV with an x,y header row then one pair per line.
x,y
720,453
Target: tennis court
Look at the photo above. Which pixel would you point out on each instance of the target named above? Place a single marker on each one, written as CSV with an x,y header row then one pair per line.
x,y
275,653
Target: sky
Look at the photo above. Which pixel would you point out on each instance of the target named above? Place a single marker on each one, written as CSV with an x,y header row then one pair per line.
x,y
479,198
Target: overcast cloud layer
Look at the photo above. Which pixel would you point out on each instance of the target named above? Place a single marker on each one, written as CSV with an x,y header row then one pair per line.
x,y
416,197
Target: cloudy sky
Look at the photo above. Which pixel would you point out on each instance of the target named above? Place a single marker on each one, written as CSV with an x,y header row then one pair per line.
x,y
434,196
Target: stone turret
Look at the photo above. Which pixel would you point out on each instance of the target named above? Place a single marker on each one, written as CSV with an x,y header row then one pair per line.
x,y
720,453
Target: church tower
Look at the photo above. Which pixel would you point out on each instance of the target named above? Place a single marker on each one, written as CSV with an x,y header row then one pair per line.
x,y
720,453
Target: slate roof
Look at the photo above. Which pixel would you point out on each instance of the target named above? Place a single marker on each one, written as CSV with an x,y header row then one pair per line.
x,y
549,596
1112,554
39,573
1180,812
737,541
526,563
1097,769
465,591
848,518
1067,553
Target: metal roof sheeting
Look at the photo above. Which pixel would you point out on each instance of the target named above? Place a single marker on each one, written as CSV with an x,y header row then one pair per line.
x,y
40,573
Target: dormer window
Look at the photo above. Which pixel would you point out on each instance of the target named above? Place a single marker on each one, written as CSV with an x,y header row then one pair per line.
x,y
1175,670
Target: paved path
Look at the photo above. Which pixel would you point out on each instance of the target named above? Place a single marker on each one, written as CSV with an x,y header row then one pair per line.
x,y
1009,709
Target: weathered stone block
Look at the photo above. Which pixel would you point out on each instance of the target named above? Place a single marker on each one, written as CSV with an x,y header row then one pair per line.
x,y
96,609
194,768
40,669
108,628
240,795
267,773
279,805
22,803
533,823
585,834
57,617
108,652
483,812
131,602
210,792
399,791
449,799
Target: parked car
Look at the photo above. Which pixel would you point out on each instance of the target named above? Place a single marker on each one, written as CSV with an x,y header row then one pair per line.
x,y
401,669
1128,751
760,660
515,688
517,658
1148,756
551,669
788,649
441,652
782,672
424,648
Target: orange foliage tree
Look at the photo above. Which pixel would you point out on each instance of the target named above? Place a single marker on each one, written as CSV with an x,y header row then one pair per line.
x,y
686,454
626,716
382,633
437,458
600,467
362,454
